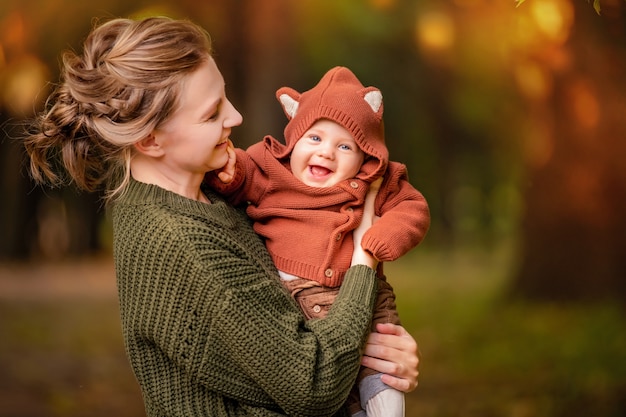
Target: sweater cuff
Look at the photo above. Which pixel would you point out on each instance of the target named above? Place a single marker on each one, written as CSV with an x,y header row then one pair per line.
x,y
378,248
360,284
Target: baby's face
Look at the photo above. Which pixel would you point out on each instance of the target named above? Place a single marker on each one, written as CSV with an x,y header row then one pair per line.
x,y
325,155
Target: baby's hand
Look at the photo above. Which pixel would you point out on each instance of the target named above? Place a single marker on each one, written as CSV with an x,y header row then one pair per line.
x,y
227,172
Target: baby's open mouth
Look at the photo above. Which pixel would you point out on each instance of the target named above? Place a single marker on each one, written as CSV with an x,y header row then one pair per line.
x,y
319,171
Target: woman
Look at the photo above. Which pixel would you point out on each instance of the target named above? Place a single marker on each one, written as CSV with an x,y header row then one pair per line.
x,y
207,326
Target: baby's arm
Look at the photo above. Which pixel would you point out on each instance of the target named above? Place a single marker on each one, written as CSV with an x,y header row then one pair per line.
x,y
231,178
404,217
241,179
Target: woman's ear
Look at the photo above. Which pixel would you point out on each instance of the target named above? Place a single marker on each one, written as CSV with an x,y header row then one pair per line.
x,y
149,146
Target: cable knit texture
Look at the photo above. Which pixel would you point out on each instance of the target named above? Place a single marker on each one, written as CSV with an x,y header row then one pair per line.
x,y
209,330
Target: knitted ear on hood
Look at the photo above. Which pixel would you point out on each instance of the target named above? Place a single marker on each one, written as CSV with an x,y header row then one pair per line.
x,y
339,96
290,100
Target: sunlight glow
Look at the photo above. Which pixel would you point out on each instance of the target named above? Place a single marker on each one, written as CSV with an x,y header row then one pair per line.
x,y
435,31
553,18
23,81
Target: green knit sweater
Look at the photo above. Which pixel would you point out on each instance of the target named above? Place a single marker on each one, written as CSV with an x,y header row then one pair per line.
x,y
209,330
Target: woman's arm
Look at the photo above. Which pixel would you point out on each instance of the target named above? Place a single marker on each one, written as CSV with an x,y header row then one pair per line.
x,y
307,368
390,350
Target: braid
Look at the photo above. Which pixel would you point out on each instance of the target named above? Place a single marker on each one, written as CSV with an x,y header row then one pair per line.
x,y
123,86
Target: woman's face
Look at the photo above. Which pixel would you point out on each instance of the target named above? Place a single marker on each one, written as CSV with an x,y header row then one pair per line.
x,y
195,138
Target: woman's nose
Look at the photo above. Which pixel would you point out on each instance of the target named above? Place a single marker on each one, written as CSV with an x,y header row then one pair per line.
x,y
234,117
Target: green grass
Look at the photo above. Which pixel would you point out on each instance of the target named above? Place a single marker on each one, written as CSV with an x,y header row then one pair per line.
x,y
64,358
483,355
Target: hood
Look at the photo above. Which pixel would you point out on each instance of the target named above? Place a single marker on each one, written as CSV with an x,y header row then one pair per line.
x,y
339,96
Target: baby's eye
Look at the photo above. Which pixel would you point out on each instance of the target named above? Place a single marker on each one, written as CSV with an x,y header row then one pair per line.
x,y
315,138
345,147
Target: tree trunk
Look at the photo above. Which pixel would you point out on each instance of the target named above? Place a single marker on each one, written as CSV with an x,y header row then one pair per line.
x,y
574,229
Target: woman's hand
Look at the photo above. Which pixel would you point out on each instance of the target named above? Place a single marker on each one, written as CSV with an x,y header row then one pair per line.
x,y
359,255
227,172
393,351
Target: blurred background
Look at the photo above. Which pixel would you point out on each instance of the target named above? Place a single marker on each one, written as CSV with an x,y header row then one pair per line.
x,y
512,121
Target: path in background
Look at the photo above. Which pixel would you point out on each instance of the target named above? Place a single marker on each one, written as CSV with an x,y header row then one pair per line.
x,y
84,277
62,352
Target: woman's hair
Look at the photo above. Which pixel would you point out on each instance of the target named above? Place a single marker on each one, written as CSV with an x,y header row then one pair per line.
x,y
125,84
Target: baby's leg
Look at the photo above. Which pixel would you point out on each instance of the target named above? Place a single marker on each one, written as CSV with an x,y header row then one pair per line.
x,y
377,398
380,400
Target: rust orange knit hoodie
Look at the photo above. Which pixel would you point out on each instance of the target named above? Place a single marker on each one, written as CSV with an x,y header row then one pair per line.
x,y
308,230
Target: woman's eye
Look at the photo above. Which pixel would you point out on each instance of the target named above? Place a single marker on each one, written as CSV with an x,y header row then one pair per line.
x,y
215,115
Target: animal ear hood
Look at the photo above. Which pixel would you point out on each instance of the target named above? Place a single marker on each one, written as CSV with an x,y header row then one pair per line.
x,y
339,96
289,99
